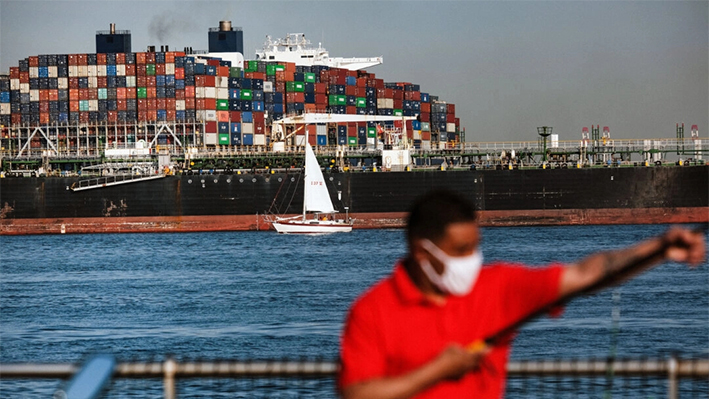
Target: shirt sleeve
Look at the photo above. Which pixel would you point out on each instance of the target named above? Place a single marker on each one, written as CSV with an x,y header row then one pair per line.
x,y
528,289
362,356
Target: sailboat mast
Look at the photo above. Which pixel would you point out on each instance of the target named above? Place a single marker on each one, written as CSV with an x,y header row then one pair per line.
x,y
305,175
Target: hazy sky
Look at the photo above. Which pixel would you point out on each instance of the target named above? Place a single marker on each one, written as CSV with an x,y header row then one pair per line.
x,y
637,67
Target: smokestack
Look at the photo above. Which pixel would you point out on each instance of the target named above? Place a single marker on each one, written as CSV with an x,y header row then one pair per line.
x,y
225,26
113,29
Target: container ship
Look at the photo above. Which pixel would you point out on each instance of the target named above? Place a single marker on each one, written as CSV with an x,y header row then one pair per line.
x,y
158,141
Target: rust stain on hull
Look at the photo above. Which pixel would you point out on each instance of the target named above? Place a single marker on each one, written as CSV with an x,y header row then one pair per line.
x,y
363,221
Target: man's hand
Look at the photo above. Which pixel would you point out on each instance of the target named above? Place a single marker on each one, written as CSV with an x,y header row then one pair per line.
x,y
455,361
685,246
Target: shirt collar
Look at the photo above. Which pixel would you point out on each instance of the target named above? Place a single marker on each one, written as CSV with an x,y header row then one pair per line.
x,y
405,288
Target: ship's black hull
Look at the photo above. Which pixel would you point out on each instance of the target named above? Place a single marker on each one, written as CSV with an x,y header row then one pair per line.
x,y
505,193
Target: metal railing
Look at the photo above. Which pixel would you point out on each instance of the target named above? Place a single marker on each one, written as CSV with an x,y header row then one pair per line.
x,y
672,377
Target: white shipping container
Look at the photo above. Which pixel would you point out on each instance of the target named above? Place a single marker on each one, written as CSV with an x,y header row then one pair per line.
x,y
93,82
120,70
222,94
268,87
201,115
101,70
14,84
34,72
554,141
130,81
93,105
199,92
62,83
73,71
24,88
426,145
169,69
321,130
210,92
5,109
84,70
179,105
260,139
210,138
247,128
381,103
389,103
52,72
417,135
450,127
210,115
222,81
371,141
299,139
34,95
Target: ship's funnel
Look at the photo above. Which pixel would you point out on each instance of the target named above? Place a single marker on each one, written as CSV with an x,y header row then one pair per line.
x,y
225,26
113,28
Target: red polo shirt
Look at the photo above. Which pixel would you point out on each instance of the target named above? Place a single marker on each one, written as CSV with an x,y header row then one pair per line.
x,y
393,329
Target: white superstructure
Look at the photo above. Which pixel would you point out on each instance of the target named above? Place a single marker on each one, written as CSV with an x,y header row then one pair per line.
x,y
297,49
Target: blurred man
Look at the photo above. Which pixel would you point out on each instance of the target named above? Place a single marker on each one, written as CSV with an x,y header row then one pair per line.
x,y
410,335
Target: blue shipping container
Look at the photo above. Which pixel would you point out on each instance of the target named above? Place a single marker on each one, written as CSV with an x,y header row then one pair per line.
x,y
236,128
248,139
247,117
223,127
235,138
322,140
257,106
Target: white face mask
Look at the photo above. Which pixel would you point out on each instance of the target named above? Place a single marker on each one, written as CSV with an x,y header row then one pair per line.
x,y
459,273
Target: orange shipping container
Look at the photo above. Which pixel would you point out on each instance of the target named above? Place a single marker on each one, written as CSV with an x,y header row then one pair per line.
x,y
170,57
152,92
120,58
130,92
101,59
33,61
120,93
199,104
223,71
210,103
74,95
24,77
223,116
169,103
159,69
189,103
44,96
54,95
150,81
179,73
73,106
171,114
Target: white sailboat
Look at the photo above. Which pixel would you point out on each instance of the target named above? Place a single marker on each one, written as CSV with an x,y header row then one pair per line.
x,y
316,200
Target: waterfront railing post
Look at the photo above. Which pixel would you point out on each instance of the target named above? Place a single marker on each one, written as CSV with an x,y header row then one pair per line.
x,y
169,370
672,385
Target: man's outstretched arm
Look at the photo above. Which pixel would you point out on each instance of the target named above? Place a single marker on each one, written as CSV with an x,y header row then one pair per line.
x,y
607,268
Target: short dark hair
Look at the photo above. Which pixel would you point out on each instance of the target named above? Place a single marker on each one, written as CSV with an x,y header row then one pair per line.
x,y
434,211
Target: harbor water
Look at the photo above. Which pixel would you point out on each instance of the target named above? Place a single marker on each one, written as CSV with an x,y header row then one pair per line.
x,y
259,295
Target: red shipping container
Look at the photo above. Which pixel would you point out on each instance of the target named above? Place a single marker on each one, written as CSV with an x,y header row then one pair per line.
x,y
152,104
189,92
412,95
223,71
130,92
210,81
150,81
140,70
259,128
120,58
179,73
120,93
457,122
82,60
321,99
426,107
171,114
199,104
425,135
44,117
142,116
73,59
74,106
170,57
450,118
223,116
152,92
44,95
312,139
398,95
84,117
142,104
152,115
320,88
425,116
351,110
101,59
102,82
350,90
169,103
113,116
33,61
179,94
210,127
74,95
121,105
14,72
161,103
210,103
214,63
130,69
362,82
260,75
235,116
150,58
24,77
189,103
44,106
451,109
398,104
16,119
280,86
54,95
352,130
159,69
83,94
258,117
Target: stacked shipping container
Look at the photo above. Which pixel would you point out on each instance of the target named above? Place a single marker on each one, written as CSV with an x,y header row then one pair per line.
x,y
236,106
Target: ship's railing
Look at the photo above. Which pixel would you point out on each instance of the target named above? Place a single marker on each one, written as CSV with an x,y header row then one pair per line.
x,y
668,377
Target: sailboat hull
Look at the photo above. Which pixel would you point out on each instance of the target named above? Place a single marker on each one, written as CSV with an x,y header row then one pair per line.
x,y
312,226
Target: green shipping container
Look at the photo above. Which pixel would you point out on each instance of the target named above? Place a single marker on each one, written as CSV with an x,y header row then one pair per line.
x,y
102,94
371,132
336,99
425,126
235,72
352,141
142,92
270,69
223,105
223,138
310,77
245,94
251,66
83,105
398,112
150,69
361,102
295,87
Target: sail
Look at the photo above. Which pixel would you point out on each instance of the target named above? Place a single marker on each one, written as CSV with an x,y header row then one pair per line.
x,y
317,198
